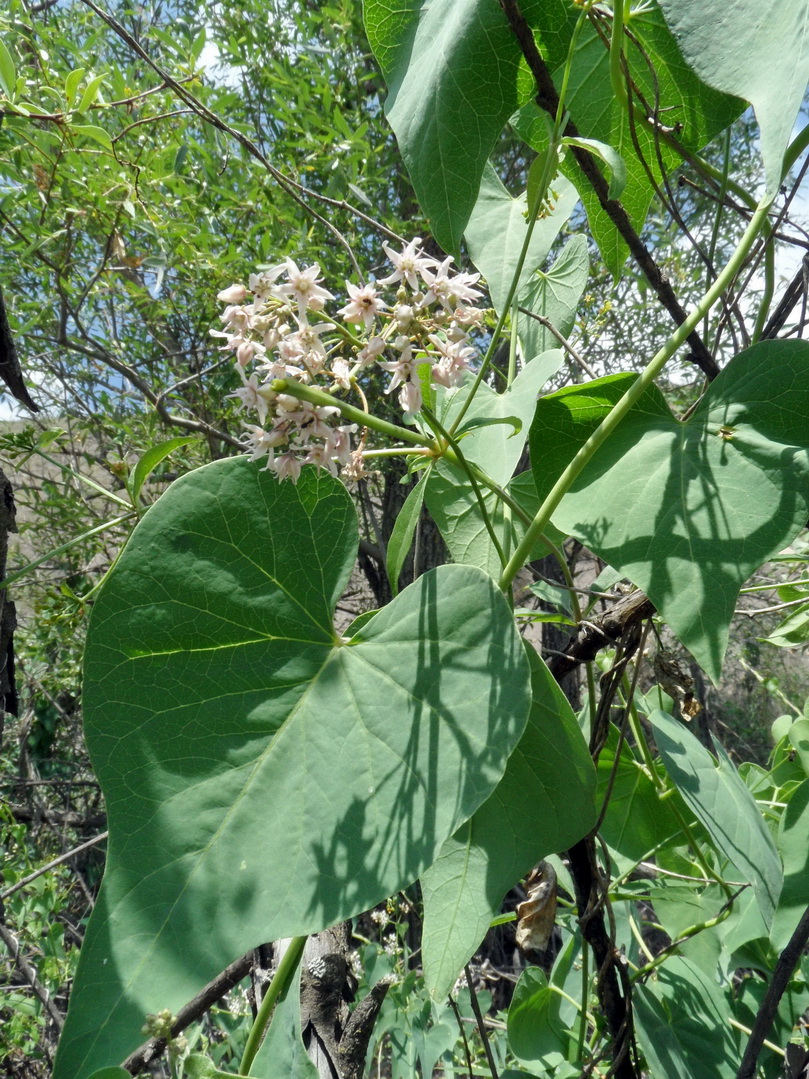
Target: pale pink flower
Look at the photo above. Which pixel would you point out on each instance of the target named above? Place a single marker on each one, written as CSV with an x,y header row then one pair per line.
x,y
402,368
455,357
342,373
363,306
321,456
341,442
288,467
245,353
262,442
236,318
302,286
309,339
468,316
410,397
250,396
262,284
449,291
412,261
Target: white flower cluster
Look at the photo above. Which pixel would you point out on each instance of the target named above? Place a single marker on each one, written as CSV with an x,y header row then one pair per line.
x,y
278,328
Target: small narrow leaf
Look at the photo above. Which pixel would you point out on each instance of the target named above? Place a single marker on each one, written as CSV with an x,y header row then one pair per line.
x,y
90,94
90,131
8,73
151,459
483,421
611,158
72,84
403,531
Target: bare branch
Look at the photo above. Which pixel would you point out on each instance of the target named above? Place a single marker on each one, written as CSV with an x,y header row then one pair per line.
x,y
52,864
30,975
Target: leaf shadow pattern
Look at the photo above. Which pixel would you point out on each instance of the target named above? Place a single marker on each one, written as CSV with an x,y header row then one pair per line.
x,y
454,724
689,510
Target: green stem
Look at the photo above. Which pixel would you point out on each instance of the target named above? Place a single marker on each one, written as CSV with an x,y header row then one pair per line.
x,y
617,53
17,574
717,224
691,931
767,295
355,415
795,149
277,988
84,479
585,996
516,509
630,398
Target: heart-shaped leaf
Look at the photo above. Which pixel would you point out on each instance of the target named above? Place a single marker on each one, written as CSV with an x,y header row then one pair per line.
x,y
688,510
265,777
544,803
682,1023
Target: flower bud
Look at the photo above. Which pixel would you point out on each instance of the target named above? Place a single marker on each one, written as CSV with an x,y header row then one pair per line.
x,y
235,294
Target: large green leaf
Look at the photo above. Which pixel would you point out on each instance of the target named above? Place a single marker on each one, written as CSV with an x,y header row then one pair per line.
x,y
265,777
688,510
543,804
681,1020
496,233
451,71
758,52
793,844
555,295
718,797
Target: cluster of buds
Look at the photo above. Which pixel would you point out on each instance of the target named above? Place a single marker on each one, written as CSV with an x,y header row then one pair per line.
x,y
278,328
